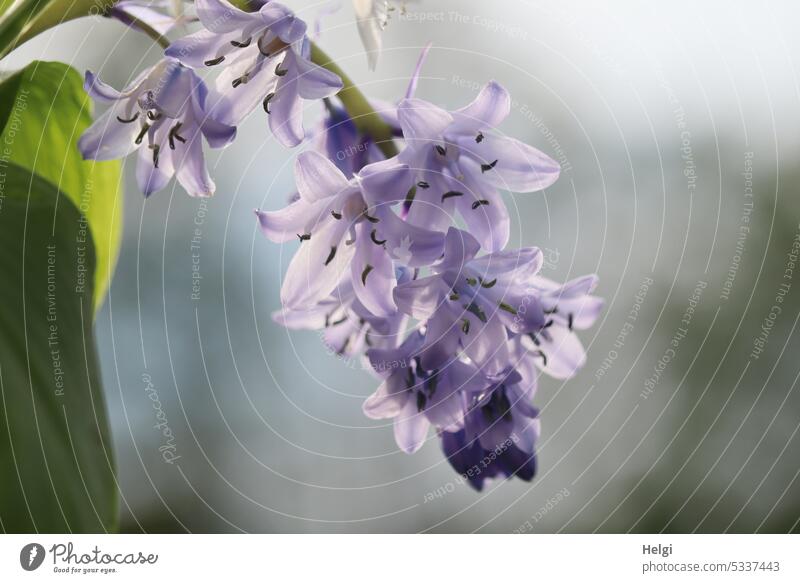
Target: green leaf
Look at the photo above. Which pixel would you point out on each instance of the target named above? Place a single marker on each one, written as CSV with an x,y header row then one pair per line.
x,y
44,111
56,457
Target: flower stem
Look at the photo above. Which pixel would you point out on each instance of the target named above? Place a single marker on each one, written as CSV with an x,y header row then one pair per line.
x,y
366,119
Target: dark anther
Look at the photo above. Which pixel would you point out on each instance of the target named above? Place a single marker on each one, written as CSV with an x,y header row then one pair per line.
x,y
236,82
241,45
507,308
331,255
280,72
454,296
304,236
465,326
441,149
131,120
432,382
472,281
410,195
547,324
451,194
478,203
543,355
423,184
266,101
156,149
487,167
479,138
534,338
341,320
173,135
488,284
373,236
153,116
367,339
343,349
371,219
212,62
475,309
365,273
336,215
421,399
142,133
569,321
410,380
553,311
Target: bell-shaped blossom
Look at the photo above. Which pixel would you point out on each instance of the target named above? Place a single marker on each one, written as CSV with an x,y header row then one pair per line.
x,y
501,428
164,114
461,162
347,327
264,58
473,305
556,348
347,225
416,397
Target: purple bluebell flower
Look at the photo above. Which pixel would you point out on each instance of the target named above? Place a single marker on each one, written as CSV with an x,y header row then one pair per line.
x,y
474,304
348,328
347,226
265,60
461,161
555,348
501,428
164,114
416,397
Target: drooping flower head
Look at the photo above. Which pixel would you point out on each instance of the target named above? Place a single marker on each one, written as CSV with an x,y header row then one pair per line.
x,y
164,114
461,162
347,226
264,58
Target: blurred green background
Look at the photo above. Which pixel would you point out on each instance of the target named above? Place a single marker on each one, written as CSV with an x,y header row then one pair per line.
x,y
676,125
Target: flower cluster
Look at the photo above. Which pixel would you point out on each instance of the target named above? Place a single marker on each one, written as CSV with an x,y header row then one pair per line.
x,y
402,259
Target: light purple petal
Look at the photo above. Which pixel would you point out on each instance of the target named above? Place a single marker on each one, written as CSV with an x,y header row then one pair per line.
x,y
564,351
313,81
372,272
410,428
197,48
309,279
485,213
412,84
488,110
386,181
486,343
98,90
407,244
221,16
149,178
518,167
317,178
231,104
293,220
191,167
282,22
107,138
459,248
388,400
422,122
286,112
419,298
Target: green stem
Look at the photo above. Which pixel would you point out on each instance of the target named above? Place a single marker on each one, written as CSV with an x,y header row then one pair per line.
x,y
364,116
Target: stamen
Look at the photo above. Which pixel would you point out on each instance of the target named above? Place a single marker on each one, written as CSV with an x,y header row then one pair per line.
x,y
465,326
173,135
534,338
543,355
331,255
451,194
266,101
153,116
336,215
280,72
241,45
365,273
371,219
156,148
441,149
569,321
142,133
212,62
478,203
304,237
432,382
471,281
488,284
548,324
373,236
421,400
476,310
454,296
487,167
479,138
341,320
131,120
507,308
423,184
